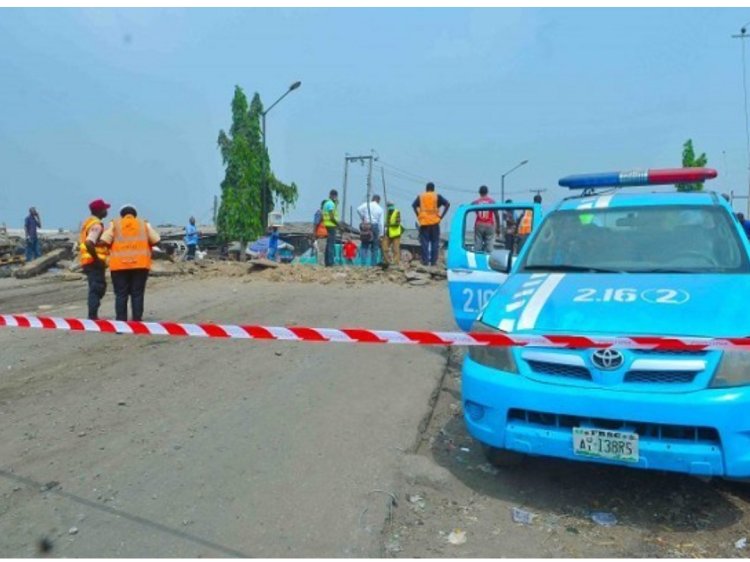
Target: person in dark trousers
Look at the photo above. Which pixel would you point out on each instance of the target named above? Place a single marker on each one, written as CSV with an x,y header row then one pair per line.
x,y
191,239
510,225
130,260
744,223
93,255
331,222
427,208
30,226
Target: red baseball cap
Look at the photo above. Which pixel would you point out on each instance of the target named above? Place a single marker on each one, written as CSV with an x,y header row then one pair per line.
x,y
98,205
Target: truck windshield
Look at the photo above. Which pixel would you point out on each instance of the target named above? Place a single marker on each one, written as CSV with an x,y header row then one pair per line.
x,y
650,239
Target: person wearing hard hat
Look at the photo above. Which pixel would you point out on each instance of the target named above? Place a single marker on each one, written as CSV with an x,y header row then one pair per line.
x,y
131,241
93,255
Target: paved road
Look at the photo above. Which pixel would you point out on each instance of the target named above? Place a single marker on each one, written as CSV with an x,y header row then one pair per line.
x,y
186,448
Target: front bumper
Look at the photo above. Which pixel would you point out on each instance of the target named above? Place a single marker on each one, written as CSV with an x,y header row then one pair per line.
x,y
706,432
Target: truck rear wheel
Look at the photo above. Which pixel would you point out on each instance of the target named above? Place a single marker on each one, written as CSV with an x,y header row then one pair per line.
x,y
503,458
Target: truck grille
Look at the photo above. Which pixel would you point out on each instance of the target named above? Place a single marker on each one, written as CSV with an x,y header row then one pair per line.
x,y
661,377
643,429
560,370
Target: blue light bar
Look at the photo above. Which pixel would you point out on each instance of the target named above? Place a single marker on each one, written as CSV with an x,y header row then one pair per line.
x,y
638,177
605,179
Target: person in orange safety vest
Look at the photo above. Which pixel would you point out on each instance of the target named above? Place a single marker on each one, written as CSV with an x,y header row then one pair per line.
x,y
427,208
526,223
131,241
93,255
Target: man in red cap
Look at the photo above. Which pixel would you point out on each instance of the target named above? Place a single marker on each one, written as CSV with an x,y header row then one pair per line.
x,y
93,254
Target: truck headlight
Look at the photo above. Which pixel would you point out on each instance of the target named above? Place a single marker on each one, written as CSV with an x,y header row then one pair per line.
x,y
495,357
734,370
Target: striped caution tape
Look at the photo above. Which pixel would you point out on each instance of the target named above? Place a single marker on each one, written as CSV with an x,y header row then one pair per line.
x,y
360,335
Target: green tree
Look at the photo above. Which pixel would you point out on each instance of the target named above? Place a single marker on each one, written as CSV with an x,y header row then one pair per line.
x,y
690,161
247,165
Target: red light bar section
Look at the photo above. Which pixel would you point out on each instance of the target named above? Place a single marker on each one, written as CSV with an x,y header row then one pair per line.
x,y
680,175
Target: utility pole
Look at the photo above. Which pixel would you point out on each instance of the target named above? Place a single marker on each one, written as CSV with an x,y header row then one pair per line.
x,y
538,191
742,36
343,187
361,160
369,180
732,197
216,208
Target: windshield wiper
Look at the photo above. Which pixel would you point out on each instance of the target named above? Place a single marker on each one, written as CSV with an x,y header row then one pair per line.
x,y
564,267
672,270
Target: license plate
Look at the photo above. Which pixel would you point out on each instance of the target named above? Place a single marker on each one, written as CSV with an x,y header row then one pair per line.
x,y
605,444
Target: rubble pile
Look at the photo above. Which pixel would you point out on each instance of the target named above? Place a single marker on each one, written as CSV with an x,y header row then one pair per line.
x,y
296,273
355,275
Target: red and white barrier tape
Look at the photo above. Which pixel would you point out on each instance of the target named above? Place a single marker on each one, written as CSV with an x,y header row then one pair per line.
x,y
359,335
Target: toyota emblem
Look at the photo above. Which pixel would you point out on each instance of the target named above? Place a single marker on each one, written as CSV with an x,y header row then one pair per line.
x,y
607,359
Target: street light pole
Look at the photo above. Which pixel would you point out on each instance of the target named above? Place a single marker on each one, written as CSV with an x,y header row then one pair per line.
x,y
264,194
743,35
502,179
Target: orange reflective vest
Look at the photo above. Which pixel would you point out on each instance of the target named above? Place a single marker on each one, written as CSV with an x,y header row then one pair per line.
x,y
101,249
428,209
525,227
130,246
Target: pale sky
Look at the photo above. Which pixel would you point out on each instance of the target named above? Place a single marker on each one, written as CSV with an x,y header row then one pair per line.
x,y
127,104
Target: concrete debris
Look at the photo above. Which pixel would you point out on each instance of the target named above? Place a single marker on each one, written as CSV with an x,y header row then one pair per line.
x,y
73,531
457,537
521,516
42,264
415,275
740,544
263,263
604,518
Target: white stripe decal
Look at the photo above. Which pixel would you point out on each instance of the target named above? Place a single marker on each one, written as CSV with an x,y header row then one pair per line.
x,y
507,325
530,314
478,276
514,306
524,293
471,257
603,201
586,205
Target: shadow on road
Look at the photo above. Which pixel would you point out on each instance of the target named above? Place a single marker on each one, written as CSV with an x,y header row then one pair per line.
x,y
46,546
646,499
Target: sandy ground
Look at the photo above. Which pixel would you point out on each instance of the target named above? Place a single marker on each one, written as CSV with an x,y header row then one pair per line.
x,y
154,447
658,514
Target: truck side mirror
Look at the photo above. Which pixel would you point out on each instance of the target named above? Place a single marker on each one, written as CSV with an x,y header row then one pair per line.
x,y
500,261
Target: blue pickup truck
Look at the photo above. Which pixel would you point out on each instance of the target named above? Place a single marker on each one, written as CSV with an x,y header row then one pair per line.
x,y
609,263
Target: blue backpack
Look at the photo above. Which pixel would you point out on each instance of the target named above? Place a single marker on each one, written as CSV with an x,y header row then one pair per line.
x,y
318,217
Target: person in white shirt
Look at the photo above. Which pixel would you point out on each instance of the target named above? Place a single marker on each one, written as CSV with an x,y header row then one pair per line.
x,y
371,228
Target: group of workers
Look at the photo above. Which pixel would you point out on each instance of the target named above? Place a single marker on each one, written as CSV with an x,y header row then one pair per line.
x,y
379,228
125,246
487,224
